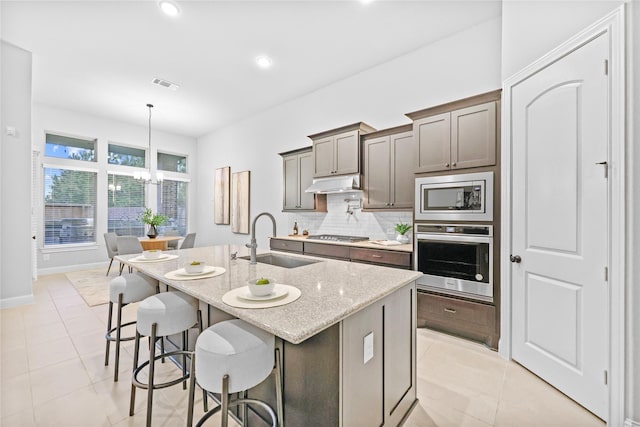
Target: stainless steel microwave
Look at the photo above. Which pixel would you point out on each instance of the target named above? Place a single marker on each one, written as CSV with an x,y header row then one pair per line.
x,y
462,197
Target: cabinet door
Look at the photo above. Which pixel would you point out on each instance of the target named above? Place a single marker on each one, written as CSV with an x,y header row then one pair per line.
x,y
305,171
403,163
473,136
433,135
377,172
399,330
291,187
323,157
347,153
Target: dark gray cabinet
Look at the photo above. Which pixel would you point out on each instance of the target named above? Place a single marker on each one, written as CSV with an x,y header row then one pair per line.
x,y
457,135
298,176
388,166
337,152
389,258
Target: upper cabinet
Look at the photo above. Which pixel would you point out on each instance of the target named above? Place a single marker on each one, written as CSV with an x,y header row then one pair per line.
x,y
337,152
457,135
389,162
298,176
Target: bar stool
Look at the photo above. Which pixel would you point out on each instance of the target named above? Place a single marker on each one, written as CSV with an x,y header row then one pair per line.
x,y
230,357
161,315
124,290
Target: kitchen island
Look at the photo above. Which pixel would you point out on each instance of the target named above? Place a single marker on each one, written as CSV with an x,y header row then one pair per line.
x,y
347,344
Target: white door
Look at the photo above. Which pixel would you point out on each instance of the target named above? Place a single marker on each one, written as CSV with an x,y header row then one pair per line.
x,y
560,224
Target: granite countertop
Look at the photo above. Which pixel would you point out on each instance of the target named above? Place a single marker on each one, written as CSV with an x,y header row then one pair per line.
x,y
371,244
331,289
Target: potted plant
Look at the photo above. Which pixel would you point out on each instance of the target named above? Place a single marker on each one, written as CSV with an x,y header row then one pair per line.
x,y
402,229
153,220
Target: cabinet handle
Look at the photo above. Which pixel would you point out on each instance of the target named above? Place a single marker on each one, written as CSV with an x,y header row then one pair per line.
x,y
450,310
446,165
392,204
453,165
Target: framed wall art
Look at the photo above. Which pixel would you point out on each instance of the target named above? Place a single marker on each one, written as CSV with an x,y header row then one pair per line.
x,y
240,193
221,203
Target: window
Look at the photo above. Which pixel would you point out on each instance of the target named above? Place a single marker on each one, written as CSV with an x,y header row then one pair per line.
x,y
126,156
172,202
65,147
126,200
69,206
172,163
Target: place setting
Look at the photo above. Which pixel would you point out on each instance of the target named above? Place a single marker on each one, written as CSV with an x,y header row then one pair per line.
x,y
195,270
153,255
261,292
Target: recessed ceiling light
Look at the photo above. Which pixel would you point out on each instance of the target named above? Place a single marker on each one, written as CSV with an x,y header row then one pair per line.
x,y
263,61
169,7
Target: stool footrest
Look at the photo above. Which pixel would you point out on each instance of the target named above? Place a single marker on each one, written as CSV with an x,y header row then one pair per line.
x,y
139,384
237,402
112,330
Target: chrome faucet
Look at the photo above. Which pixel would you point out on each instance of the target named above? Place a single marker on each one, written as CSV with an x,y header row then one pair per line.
x,y
253,245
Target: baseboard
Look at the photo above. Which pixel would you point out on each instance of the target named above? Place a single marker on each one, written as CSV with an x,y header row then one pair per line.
x,y
16,301
630,423
67,268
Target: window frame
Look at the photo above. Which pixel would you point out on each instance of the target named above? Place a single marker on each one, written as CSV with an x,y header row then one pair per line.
x,y
95,140
145,150
60,247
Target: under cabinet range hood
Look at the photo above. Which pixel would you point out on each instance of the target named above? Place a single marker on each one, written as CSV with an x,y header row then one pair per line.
x,y
337,184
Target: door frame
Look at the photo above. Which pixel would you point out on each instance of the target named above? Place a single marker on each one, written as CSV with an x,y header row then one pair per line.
x,y
614,24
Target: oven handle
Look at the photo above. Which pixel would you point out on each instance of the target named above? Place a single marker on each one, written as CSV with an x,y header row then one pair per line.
x,y
453,238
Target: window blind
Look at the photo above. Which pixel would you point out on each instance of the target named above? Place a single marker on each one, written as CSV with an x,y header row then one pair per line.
x,y
126,200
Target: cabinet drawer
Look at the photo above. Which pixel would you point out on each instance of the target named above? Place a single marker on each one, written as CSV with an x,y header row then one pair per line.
x,y
395,258
470,313
331,251
286,245
467,319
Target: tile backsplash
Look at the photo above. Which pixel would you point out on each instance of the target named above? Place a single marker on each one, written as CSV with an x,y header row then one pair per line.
x,y
343,217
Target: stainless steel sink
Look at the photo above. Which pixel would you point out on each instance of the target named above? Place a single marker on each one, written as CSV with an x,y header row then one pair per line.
x,y
282,260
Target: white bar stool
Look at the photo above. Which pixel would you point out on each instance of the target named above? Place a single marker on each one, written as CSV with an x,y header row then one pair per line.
x,y
230,357
161,315
123,290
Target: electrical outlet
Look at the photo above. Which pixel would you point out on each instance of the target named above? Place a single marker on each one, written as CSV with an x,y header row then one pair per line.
x,y
368,347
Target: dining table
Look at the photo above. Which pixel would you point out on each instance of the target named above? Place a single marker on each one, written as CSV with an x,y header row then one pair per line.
x,y
160,242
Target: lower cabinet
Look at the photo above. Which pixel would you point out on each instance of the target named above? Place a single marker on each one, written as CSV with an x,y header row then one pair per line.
x,y
468,319
378,351
390,258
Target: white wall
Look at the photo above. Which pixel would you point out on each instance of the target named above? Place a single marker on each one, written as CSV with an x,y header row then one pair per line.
x,y
462,65
633,302
15,177
532,28
48,119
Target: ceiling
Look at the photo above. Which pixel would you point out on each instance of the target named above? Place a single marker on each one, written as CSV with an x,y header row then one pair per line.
x,y
99,57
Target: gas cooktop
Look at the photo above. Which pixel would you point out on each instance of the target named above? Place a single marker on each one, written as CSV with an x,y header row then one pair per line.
x,y
337,238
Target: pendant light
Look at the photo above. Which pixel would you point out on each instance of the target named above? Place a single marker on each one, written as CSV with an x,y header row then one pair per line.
x,y
146,175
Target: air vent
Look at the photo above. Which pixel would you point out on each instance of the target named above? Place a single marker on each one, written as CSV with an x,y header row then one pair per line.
x,y
165,83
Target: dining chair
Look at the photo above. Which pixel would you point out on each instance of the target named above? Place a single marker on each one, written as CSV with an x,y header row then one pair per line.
x,y
111,241
173,244
128,245
189,241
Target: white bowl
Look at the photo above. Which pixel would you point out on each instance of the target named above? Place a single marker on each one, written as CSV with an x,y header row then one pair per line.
x,y
261,290
152,254
193,269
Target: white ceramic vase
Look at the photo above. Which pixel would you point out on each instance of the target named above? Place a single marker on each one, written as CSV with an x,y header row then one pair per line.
x,y
402,238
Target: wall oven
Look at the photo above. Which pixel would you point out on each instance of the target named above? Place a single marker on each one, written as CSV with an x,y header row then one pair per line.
x,y
462,197
455,259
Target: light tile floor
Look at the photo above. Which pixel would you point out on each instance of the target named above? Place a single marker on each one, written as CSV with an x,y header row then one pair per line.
x,y
53,374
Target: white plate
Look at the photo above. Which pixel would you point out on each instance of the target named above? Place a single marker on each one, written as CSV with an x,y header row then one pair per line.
x,y
278,291
142,258
206,270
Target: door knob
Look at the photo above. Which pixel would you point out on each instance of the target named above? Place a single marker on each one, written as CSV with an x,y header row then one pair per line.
x,y
515,258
